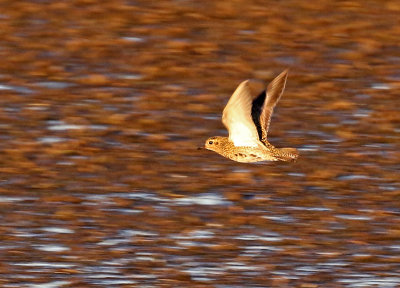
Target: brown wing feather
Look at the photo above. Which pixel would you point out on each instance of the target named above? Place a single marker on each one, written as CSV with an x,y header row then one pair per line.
x,y
274,92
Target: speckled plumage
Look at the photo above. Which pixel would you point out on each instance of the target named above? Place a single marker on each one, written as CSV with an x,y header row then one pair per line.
x,y
247,116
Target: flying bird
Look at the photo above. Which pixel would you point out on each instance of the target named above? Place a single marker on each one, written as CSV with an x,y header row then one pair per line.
x,y
247,117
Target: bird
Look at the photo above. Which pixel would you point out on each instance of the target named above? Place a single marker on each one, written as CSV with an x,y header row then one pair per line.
x,y
247,116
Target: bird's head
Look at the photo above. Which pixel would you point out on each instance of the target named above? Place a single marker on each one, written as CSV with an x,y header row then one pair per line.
x,y
214,143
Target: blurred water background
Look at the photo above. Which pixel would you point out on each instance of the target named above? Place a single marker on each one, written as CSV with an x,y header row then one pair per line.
x,y
102,107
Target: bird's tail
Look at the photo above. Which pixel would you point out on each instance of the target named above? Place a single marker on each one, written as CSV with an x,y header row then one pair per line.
x,y
288,154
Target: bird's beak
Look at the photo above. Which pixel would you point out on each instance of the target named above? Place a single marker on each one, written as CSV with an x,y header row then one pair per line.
x,y
200,148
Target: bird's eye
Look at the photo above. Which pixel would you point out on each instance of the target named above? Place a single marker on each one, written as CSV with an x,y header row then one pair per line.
x,y
210,142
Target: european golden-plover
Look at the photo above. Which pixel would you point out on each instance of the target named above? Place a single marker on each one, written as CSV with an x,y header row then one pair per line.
x,y
247,116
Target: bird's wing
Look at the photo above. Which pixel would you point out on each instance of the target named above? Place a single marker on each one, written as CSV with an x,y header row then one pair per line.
x,y
274,92
237,114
